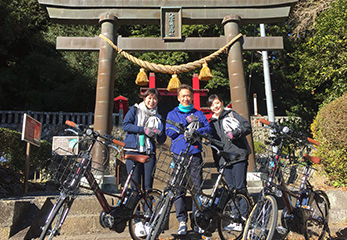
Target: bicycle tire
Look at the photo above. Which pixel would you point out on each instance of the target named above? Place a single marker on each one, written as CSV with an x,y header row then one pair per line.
x,y
58,213
160,216
316,223
226,225
142,214
261,223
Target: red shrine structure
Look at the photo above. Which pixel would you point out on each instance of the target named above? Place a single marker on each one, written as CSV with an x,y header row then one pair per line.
x,y
198,93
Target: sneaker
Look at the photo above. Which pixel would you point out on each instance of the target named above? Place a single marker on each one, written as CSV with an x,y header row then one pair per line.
x,y
140,230
182,230
234,227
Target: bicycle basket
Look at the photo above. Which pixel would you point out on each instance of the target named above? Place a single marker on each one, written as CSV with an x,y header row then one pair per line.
x,y
293,176
62,168
163,170
166,170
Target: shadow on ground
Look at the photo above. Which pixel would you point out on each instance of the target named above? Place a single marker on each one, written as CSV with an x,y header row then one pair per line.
x,y
340,235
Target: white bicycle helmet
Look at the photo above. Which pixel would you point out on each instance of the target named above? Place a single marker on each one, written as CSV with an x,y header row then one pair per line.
x,y
154,122
231,125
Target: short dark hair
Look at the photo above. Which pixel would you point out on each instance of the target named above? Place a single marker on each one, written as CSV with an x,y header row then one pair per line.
x,y
185,86
150,91
212,98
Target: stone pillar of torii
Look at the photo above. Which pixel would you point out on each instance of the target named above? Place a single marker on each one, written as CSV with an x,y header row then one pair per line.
x,y
170,14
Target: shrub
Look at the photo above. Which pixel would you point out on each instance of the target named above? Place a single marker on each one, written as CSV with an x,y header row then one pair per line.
x,y
329,128
13,151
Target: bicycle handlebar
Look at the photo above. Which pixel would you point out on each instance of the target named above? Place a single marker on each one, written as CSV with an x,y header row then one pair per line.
x,y
279,128
182,129
82,128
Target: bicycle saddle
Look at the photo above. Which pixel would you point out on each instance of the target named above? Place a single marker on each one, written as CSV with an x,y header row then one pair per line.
x,y
137,158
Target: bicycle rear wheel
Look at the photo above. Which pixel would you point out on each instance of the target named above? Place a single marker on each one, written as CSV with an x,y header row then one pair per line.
x,y
142,213
316,224
160,217
235,213
261,223
56,218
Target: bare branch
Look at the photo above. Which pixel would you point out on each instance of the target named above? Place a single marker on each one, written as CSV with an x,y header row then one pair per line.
x,y
304,15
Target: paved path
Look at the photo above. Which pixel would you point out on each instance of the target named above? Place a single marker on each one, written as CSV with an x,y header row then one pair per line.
x,y
339,232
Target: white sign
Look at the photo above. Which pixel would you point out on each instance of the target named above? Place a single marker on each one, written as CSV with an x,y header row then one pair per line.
x,y
65,145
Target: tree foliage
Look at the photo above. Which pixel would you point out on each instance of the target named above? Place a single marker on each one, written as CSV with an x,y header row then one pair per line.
x,y
329,128
321,57
34,76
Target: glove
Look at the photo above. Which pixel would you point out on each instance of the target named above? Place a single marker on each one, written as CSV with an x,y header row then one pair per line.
x,y
192,118
233,134
150,132
188,134
229,135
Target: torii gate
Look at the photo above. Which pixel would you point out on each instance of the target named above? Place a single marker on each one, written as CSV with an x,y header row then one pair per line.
x,y
171,14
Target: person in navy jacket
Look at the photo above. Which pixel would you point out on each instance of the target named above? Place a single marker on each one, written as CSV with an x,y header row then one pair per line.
x,y
186,114
231,129
143,125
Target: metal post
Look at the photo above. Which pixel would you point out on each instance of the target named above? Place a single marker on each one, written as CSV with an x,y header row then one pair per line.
x,y
255,104
27,168
105,84
267,80
238,91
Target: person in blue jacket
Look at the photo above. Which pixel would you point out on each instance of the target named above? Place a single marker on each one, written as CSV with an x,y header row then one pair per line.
x,y
186,114
143,125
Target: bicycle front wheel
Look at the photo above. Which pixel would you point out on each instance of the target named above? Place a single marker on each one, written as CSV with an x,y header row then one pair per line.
x,y
235,213
261,223
143,210
56,218
160,217
316,223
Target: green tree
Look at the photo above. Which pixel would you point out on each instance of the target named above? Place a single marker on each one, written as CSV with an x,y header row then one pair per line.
x,y
321,56
34,76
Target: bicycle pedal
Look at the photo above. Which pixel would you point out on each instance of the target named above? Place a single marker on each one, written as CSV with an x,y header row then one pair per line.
x,y
206,237
282,230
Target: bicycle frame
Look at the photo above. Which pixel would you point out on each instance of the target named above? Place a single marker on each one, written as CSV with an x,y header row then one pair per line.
x,y
82,168
181,177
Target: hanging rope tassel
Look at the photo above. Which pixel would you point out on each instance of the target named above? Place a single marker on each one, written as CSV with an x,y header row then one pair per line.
x,y
142,79
205,73
174,83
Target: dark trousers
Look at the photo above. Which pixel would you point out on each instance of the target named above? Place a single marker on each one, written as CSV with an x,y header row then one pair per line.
x,y
236,175
196,177
143,173
236,178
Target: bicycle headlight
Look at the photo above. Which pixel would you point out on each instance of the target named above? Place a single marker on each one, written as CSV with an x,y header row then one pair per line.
x,y
89,132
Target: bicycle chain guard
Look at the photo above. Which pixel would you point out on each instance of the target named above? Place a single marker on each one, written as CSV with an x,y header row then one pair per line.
x,y
293,222
116,220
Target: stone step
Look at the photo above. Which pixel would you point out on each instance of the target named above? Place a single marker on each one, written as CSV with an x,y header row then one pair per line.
x,y
20,217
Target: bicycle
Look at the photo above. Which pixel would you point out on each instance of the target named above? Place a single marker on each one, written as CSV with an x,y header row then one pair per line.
x,y
133,205
218,210
306,209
